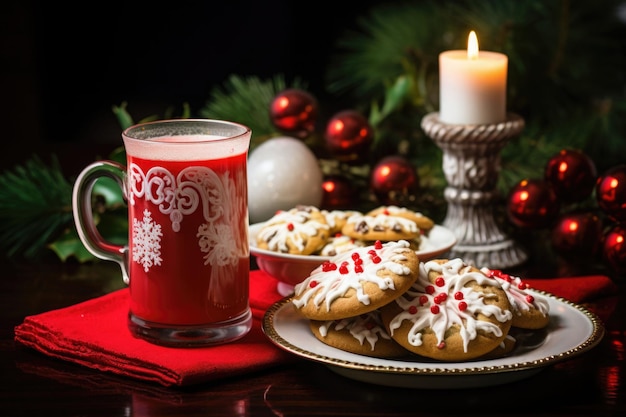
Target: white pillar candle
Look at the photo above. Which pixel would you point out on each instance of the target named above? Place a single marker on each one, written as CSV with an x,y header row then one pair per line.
x,y
472,85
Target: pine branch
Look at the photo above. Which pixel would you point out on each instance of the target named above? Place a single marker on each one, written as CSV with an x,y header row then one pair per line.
x,y
392,40
35,207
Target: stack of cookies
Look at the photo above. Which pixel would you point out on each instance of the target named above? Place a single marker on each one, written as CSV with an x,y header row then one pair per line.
x,y
380,300
307,230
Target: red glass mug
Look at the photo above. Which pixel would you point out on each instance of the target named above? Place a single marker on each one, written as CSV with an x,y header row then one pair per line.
x,y
187,257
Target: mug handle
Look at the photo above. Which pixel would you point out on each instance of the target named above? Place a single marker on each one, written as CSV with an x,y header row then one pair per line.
x,y
83,213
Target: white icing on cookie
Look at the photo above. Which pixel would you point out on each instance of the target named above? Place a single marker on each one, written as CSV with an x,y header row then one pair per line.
x,y
366,223
293,225
515,289
333,215
349,270
448,302
395,211
339,244
365,327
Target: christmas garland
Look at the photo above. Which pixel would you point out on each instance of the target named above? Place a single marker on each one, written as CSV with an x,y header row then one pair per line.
x,y
565,78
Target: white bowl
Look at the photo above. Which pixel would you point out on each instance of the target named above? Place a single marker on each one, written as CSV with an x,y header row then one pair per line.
x,y
290,269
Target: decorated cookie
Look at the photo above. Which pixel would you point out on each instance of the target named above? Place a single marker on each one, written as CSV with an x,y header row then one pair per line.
x,y
339,244
364,335
357,282
453,312
337,218
424,223
382,226
502,350
416,243
301,230
530,311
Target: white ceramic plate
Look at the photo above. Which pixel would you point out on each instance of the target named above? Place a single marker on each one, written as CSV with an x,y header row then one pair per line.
x,y
572,331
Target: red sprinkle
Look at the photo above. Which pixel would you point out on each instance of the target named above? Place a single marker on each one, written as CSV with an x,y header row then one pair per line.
x,y
429,289
530,299
290,227
434,309
440,298
376,259
441,345
313,284
412,309
378,245
385,211
423,299
462,306
343,269
440,282
458,295
358,268
328,266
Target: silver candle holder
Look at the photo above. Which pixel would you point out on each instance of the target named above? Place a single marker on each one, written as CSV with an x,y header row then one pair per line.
x,y
471,165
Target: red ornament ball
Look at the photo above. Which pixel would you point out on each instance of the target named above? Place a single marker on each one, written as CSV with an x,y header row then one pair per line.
x,y
348,135
532,203
294,112
572,175
611,193
614,247
338,192
394,180
577,235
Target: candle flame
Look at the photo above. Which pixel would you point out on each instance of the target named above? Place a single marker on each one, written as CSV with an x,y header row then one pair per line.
x,y
472,46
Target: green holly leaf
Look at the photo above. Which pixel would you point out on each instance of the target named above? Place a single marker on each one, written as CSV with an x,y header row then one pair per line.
x,y
110,191
395,97
69,245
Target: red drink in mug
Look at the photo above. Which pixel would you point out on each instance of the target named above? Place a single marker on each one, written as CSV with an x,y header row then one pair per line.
x,y
187,260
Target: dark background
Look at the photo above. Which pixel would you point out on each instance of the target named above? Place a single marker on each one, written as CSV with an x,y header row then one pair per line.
x,y
63,68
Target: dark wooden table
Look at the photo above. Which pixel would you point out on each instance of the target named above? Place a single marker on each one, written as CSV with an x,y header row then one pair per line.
x,y
593,384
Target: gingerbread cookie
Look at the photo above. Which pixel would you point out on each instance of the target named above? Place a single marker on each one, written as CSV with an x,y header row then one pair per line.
x,y
453,312
502,350
382,226
364,335
337,218
530,311
301,230
357,281
339,244
424,223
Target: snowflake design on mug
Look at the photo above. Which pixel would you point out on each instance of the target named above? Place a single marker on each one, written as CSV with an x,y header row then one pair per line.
x,y
147,241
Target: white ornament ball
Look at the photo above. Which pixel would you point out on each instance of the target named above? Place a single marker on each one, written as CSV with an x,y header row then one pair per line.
x,y
282,173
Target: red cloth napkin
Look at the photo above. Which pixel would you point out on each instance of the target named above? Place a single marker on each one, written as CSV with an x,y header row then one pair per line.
x,y
94,334
576,289
598,293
